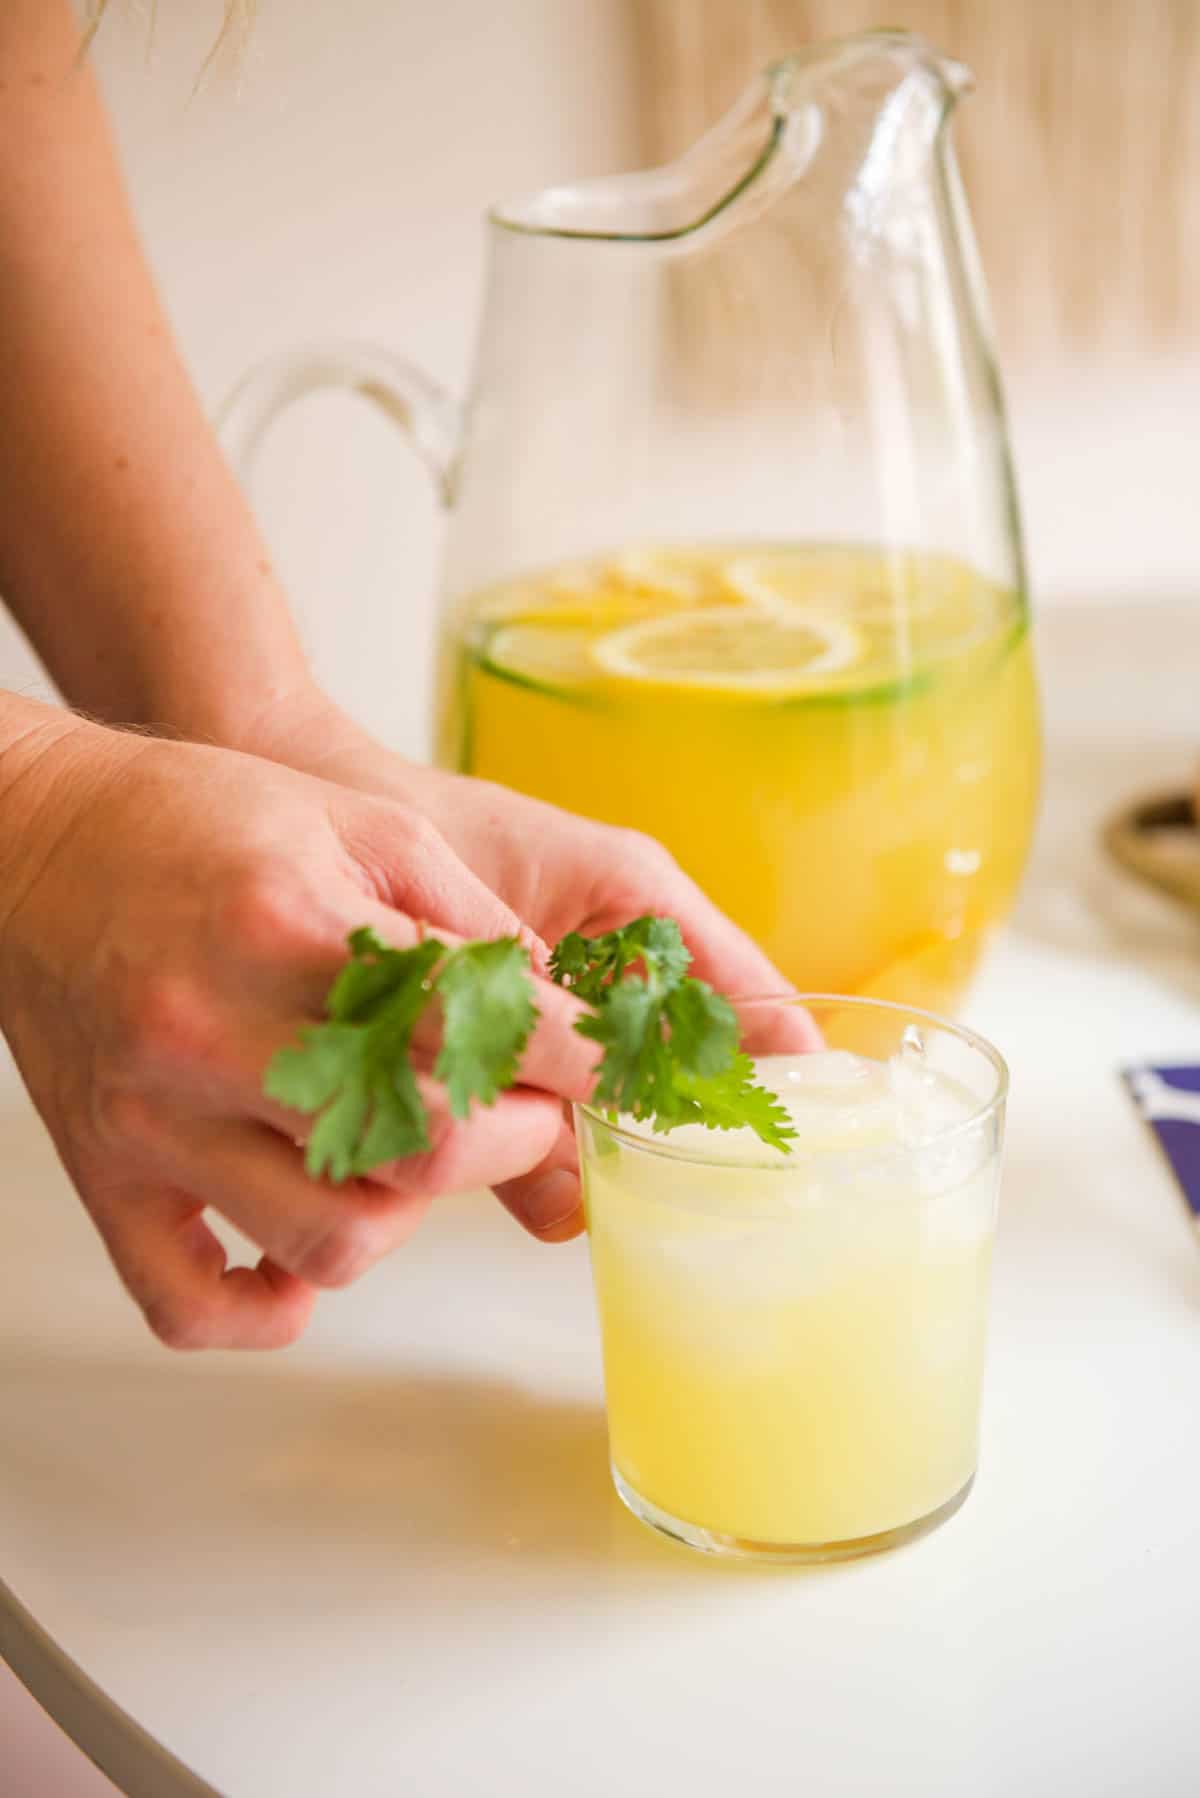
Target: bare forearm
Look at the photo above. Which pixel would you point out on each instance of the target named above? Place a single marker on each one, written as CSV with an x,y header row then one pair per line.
x,y
126,549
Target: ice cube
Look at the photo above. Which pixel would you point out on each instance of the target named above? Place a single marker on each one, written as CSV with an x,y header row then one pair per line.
x,y
926,1103
734,1147
835,1099
837,1102
833,1068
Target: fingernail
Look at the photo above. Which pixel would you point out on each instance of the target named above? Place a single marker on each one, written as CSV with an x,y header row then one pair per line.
x,y
550,1202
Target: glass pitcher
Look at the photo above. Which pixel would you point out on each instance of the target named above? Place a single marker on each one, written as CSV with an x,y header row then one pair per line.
x,y
733,553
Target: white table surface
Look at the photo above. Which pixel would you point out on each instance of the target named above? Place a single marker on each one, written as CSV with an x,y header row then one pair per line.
x,y
389,1560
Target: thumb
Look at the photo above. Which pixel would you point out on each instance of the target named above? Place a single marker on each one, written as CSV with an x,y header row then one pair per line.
x,y
411,867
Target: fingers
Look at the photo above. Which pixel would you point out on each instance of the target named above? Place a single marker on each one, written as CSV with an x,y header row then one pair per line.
x,y
327,1235
283,938
175,1269
546,1200
313,1234
322,1234
722,953
557,1059
423,876
777,1028
414,869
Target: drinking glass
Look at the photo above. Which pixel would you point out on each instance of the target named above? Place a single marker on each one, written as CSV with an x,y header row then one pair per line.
x,y
794,1342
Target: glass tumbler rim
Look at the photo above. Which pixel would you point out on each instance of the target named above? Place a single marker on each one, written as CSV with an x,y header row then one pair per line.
x,y
993,1105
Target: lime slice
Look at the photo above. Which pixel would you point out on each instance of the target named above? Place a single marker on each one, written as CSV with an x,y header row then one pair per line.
x,y
744,651
537,655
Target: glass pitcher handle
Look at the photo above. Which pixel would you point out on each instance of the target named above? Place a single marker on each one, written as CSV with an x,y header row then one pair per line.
x,y
425,412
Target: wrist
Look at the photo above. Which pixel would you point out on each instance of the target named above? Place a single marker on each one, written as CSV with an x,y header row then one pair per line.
x,y
223,694
303,728
50,760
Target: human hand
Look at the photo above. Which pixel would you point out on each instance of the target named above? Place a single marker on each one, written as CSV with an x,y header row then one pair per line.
x,y
170,916
557,871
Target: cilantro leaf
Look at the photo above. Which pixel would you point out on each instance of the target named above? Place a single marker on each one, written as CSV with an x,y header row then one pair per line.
x,y
658,943
332,1147
355,1070
308,1075
399,1123
731,1101
704,1028
670,1042
590,965
488,1013
571,965
628,1026
375,973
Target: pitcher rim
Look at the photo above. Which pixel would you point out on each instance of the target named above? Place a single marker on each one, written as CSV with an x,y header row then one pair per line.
x,y
514,217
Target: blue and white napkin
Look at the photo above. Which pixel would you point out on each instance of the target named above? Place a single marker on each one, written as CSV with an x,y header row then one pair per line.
x,y
1169,1100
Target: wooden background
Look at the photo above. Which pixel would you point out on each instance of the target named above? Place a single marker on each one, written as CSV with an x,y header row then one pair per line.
x,y
1080,147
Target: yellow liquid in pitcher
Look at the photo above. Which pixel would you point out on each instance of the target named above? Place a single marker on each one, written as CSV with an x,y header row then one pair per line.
x,y
840,746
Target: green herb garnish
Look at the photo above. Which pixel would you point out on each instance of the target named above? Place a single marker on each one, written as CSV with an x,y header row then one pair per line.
x,y
356,1069
670,1042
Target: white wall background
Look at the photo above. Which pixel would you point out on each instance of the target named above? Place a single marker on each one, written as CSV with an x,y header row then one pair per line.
x,y
335,186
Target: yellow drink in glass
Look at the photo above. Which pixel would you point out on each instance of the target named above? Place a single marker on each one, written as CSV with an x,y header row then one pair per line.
x,y
839,745
793,1345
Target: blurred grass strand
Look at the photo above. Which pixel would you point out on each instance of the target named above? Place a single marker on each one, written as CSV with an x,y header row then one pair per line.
x,y
227,48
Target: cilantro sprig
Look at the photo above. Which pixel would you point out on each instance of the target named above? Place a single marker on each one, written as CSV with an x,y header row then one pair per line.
x,y
670,1042
356,1071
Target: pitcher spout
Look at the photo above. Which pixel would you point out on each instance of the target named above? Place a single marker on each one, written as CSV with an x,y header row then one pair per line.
x,y
864,91
733,162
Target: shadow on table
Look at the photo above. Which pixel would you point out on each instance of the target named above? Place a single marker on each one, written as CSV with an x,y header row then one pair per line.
x,y
282,1450
374,1469
370,1479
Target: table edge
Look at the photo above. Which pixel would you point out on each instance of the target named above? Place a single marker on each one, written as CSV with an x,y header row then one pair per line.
x,y
137,1763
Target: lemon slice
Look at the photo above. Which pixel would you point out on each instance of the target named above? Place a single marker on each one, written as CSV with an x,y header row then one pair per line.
x,y
933,601
645,579
674,576
744,651
558,606
608,591
778,581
